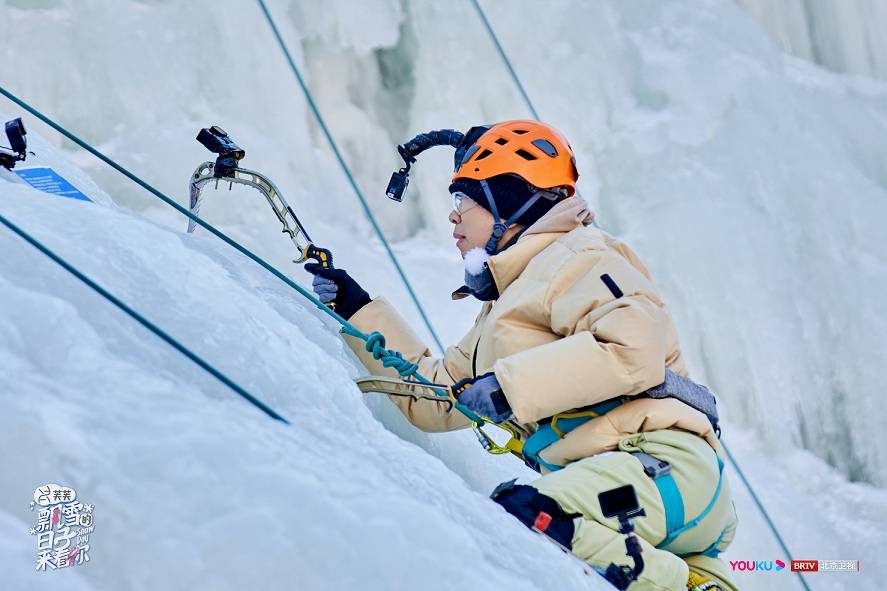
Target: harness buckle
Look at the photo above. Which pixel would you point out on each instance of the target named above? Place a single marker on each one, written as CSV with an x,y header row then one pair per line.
x,y
653,467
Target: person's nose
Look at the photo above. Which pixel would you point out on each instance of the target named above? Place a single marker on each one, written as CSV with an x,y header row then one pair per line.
x,y
454,217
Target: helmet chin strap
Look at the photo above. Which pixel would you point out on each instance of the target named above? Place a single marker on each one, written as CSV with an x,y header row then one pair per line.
x,y
500,227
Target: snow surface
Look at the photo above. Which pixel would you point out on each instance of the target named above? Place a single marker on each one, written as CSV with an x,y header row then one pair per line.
x,y
754,184
192,487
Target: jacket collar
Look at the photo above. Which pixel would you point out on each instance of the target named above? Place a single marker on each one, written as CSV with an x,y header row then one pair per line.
x,y
567,215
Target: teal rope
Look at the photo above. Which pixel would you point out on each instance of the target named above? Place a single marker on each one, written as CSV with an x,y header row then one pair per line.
x,y
502,54
177,345
351,181
375,344
510,68
763,511
169,201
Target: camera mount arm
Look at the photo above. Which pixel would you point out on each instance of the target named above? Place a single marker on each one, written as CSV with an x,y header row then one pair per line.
x,y
409,150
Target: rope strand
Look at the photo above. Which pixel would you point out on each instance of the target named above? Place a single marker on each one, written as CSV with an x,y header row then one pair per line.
x,y
505,60
377,344
363,202
176,344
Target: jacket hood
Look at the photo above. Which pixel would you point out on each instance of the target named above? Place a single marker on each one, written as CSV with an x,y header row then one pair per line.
x,y
566,216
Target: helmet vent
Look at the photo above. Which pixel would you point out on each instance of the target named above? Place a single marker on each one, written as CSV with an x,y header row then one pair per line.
x,y
483,155
524,154
546,147
520,131
501,141
471,151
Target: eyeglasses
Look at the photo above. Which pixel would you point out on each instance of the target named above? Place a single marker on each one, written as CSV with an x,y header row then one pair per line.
x,y
462,202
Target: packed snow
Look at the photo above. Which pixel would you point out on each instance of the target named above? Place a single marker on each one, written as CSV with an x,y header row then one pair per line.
x,y
193,488
752,182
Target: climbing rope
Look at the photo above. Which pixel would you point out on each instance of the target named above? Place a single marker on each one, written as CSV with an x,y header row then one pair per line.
x,y
505,60
766,515
363,202
375,342
176,344
529,103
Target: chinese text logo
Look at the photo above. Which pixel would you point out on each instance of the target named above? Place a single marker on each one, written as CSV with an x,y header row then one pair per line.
x,y
63,527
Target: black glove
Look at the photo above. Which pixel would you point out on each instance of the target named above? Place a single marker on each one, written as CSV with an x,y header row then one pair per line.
x,y
336,285
484,396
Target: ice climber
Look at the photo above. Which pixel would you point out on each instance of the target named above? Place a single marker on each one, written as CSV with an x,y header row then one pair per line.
x,y
576,351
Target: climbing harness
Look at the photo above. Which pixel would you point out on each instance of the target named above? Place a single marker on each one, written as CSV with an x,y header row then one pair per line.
x,y
226,169
558,426
673,503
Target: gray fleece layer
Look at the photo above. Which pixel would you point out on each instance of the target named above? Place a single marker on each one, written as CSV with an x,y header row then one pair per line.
x,y
688,392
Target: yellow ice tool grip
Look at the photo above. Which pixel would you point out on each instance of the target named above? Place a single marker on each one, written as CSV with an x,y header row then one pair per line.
x,y
324,257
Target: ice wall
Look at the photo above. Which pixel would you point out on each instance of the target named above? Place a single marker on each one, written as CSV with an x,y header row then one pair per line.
x,y
193,488
845,36
753,183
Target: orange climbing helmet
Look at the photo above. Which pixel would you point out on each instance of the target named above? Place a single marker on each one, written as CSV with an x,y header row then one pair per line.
x,y
534,151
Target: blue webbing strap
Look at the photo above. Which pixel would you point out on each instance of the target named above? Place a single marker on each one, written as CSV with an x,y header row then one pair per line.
x,y
545,435
671,496
672,501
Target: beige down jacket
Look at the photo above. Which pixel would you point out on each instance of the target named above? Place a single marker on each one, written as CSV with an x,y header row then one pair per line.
x,y
558,339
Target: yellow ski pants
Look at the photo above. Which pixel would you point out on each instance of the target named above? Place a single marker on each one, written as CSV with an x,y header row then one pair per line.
x,y
597,539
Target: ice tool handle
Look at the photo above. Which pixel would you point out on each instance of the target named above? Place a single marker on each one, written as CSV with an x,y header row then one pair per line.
x,y
227,168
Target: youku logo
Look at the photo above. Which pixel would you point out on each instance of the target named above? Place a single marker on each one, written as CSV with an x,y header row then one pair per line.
x,y
757,565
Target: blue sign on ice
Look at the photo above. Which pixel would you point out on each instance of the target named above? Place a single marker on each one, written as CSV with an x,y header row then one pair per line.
x,y
49,181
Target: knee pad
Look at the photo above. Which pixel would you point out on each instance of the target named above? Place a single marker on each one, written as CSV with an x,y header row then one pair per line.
x,y
525,503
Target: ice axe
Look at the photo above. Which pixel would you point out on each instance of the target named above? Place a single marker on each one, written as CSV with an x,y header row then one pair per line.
x,y
227,168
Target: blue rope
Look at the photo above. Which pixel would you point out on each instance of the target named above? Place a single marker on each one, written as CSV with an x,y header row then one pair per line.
x,y
178,346
347,171
375,344
495,39
764,513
